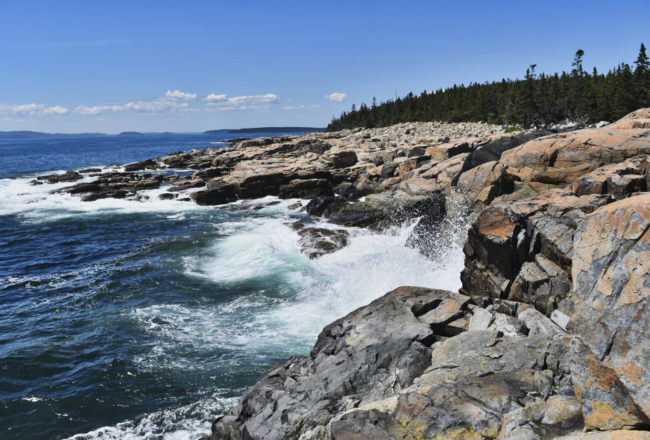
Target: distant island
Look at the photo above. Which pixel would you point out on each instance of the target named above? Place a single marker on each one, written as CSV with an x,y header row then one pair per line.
x,y
131,133
264,130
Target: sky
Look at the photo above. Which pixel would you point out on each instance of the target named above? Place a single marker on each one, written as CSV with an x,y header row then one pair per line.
x,y
190,66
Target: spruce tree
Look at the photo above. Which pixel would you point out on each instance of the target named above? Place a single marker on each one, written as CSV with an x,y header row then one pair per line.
x,y
642,62
642,78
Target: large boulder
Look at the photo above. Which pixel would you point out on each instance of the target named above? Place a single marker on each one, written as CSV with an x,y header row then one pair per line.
x,y
218,193
611,291
562,158
373,351
342,159
260,185
522,250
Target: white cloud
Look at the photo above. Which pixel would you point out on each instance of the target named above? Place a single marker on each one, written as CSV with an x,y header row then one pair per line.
x,y
250,102
159,105
213,97
336,96
32,109
177,94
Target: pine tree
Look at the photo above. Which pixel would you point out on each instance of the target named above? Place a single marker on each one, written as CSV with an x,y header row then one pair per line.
x,y
642,62
577,63
642,78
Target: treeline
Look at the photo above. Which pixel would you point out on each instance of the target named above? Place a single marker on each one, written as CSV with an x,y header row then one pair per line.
x,y
536,100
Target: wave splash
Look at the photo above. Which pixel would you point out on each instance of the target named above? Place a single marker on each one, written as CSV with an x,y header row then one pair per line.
x,y
283,300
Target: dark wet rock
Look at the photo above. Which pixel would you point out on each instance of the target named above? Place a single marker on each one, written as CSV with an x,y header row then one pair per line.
x,y
316,242
81,188
305,189
150,164
107,194
114,185
218,193
90,170
261,185
209,173
348,191
319,204
183,184
167,196
68,176
177,160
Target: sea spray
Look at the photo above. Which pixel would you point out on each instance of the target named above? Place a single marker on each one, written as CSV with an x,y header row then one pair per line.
x,y
202,299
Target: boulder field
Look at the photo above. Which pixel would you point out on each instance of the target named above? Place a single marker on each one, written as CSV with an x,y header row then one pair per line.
x,y
549,336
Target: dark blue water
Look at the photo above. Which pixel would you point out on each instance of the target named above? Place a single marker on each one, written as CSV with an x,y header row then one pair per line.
x,y
125,319
34,155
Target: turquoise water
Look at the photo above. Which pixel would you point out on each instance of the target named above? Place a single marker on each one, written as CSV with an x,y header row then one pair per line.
x,y
125,319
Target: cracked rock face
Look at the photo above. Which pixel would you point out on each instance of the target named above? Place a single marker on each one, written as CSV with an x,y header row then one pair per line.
x,y
409,365
611,284
371,352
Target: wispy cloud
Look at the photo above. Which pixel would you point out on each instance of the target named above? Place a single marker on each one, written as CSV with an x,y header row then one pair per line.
x,y
250,102
160,105
300,107
177,94
172,101
32,109
336,96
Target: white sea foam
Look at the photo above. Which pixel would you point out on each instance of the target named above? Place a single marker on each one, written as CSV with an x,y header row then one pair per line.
x,y
185,423
322,290
40,202
253,251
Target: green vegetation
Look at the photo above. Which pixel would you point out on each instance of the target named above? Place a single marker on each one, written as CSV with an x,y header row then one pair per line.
x,y
536,100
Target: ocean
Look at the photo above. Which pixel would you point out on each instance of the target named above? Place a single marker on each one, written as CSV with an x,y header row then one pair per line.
x,y
124,319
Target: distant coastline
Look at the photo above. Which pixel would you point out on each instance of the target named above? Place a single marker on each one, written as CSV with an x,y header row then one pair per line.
x,y
265,130
28,134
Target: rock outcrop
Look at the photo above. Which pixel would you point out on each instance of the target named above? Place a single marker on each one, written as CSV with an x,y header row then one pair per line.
x,y
548,336
424,363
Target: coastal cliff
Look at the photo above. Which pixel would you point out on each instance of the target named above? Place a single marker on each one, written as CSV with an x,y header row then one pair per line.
x,y
548,336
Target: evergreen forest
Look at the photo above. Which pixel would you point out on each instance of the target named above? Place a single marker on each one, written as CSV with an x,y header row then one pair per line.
x,y
536,100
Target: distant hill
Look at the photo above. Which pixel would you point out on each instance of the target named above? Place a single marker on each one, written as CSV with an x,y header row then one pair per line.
x,y
264,130
131,133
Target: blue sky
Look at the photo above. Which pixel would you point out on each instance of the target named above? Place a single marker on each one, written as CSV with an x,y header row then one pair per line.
x,y
111,66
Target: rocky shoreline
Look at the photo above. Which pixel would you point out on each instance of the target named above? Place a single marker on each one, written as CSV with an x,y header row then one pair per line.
x,y
548,336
